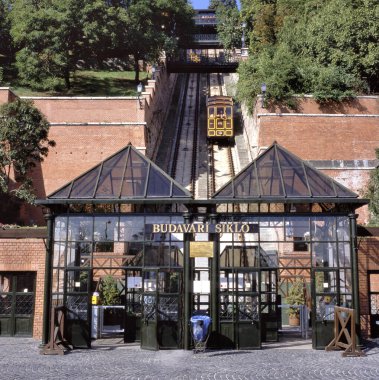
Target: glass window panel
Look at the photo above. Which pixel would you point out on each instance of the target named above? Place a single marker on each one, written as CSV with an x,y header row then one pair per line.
x,y
58,281
134,253
346,281
226,255
63,193
343,228
323,228
293,175
80,228
79,254
343,192
271,229
57,300
268,281
245,185
25,282
177,192
245,256
154,254
268,255
325,307
149,235
105,228
177,250
150,281
135,176
346,300
320,185
84,186
269,175
297,227
111,176
344,255
77,281
324,254
158,185
59,254
60,228
326,282
77,306
131,228
168,282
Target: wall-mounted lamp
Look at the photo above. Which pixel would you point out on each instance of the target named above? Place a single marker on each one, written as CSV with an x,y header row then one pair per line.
x,y
263,89
139,93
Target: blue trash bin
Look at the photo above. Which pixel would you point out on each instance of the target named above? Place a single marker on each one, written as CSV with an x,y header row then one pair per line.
x,y
200,326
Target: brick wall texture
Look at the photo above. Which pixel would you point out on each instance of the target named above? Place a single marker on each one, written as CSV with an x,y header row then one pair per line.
x,y
18,255
368,260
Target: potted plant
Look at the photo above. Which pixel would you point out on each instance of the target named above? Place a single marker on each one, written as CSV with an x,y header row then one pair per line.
x,y
110,296
295,297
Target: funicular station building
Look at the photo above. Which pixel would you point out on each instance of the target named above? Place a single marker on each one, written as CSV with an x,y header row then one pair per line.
x,y
232,256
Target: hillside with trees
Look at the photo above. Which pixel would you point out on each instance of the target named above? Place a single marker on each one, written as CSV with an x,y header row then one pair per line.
x,y
45,42
328,48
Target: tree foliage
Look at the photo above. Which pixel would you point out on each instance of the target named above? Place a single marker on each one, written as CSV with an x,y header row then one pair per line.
x,y
373,194
229,27
52,36
323,47
23,142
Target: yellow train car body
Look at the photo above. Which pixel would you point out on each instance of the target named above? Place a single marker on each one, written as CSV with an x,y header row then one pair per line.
x,y
220,117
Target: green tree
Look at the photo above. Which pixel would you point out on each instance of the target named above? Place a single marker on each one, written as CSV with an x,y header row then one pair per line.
x,y
229,27
5,38
49,38
23,142
373,194
324,48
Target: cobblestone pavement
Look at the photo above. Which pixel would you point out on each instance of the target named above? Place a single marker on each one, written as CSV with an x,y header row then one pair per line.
x,y
20,359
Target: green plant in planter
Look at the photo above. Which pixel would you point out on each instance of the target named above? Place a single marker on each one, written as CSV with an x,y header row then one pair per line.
x,y
295,297
109,294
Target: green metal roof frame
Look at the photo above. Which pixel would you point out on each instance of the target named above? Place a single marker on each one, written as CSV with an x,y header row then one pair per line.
x,y
125,177
279,176
312,186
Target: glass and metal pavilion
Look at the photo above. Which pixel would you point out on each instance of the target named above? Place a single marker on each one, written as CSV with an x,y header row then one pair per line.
x,y
303,228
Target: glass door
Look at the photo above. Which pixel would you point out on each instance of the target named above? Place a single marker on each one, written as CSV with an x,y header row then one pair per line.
x,y
16,303
149,325
77,324
270,313
133,305
239,309
326,296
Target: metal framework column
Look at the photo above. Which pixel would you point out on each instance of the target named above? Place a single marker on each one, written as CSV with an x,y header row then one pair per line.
x,y
215,280
187,285
354,270
49,217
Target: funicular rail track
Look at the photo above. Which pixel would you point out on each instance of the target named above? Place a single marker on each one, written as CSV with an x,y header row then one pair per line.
x,y
184,158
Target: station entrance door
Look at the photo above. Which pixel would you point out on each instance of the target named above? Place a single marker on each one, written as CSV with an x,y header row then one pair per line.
x,y
161,302
239,310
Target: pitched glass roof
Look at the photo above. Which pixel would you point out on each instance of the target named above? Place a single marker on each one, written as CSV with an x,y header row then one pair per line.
x,y
126,175
279,174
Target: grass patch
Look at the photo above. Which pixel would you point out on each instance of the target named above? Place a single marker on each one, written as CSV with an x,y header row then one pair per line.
x,y
91,83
